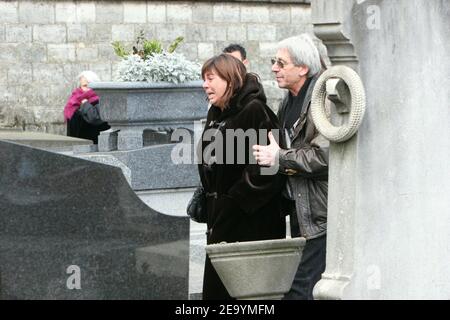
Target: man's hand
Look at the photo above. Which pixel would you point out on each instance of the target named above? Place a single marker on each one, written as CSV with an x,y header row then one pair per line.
x,y
266,155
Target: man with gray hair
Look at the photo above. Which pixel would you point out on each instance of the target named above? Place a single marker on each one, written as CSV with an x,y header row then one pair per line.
x,y
297,66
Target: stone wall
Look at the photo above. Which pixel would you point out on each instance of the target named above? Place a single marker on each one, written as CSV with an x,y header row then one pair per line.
x,y
44,45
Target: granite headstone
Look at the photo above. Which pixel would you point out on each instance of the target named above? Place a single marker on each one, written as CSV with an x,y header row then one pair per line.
x,y
74,229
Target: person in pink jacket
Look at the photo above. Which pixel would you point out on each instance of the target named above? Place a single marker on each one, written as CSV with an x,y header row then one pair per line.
x,y
76,126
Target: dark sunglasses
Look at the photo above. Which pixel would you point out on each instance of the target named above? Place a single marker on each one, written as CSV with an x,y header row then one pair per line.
x,y
279,63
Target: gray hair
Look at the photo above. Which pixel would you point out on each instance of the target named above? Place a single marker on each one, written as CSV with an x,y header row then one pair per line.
x,y
89,75
323,53
303,52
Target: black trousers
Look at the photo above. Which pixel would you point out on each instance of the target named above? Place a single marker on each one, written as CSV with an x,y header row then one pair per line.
x,y
77,127
311,266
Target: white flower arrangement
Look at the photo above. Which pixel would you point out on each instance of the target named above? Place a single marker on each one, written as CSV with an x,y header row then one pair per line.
x,y
159,67
150,62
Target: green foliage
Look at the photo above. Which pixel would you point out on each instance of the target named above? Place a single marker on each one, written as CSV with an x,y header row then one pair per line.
x,y
175,44
145,48
119,49
151,47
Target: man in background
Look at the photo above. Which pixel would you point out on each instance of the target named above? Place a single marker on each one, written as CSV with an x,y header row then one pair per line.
x,y
237,51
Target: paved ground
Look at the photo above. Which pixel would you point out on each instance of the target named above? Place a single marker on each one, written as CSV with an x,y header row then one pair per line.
x,y
197,259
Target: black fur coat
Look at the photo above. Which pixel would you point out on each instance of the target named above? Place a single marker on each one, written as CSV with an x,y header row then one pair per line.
x,y
242,203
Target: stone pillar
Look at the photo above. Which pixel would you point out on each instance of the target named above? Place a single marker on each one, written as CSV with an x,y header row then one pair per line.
x,y
388,205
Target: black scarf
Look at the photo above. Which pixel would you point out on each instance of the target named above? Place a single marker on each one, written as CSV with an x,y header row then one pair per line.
x,y
294,106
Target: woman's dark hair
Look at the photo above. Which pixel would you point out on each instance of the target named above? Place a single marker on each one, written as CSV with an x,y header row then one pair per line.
x,y
230,69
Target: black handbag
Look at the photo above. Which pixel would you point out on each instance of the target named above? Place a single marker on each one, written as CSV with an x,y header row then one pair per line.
x,y
196,208
90,113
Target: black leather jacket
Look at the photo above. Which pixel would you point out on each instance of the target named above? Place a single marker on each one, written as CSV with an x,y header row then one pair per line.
x,y
306,164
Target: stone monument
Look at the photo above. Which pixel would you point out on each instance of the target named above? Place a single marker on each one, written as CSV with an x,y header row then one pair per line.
x,y
143,117
388,205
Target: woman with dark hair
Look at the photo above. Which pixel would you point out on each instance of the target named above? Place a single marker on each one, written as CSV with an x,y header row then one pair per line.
x,y
76,126
242,202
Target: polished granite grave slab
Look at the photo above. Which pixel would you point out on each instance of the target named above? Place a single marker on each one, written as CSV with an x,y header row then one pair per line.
x,y
42,140
74,229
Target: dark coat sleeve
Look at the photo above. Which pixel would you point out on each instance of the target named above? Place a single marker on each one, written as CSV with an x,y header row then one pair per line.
x,y
254,190
309,160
